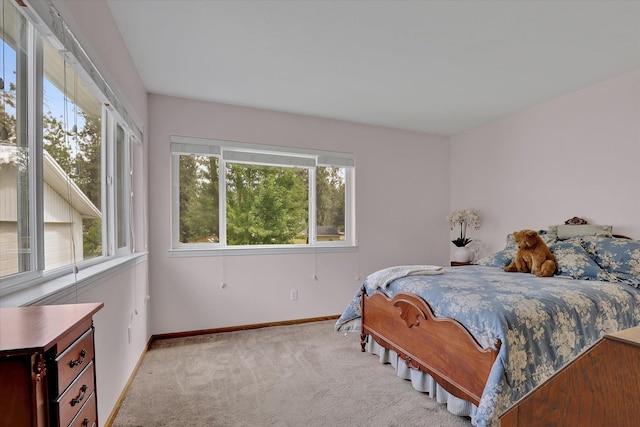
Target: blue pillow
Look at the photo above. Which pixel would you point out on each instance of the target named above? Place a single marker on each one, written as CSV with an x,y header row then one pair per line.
x,y
504,257
572,260
620,257
499,259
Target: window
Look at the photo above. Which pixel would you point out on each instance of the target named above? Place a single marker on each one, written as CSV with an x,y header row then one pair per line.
x,y
64,161
121,178
16,243
72,164
330,203
266,205
236,195
198,199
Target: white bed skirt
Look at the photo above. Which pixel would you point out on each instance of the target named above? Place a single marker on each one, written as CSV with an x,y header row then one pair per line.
x,y
423,382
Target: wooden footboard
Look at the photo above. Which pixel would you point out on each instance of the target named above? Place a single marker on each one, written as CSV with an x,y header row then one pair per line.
x,y
439,346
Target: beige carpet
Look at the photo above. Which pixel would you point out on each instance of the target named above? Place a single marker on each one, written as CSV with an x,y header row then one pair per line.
x,y
303,375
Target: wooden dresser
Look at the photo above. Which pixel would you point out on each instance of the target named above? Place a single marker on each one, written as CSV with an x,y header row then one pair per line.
x,y
47,374
601,387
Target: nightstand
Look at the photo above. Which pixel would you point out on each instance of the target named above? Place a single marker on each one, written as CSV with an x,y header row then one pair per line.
x,y
460,264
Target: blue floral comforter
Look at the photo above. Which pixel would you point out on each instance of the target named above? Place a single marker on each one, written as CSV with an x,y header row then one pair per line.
x,y
543,323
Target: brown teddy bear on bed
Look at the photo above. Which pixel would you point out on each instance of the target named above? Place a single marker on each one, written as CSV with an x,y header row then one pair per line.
x,y
533,255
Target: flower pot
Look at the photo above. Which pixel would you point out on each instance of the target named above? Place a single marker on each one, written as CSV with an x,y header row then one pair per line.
x,y
463,254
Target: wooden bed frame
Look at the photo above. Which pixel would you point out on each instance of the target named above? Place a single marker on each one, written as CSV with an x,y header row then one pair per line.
x,y
441,347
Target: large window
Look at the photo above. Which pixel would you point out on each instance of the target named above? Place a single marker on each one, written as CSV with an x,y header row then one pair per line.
x,y
64,162
235,195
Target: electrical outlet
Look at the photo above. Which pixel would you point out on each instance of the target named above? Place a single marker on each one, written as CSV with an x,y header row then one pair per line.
x,y
294,295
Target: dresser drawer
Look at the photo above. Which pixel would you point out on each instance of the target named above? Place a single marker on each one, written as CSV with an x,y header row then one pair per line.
x,y
69,404
88,415
73,360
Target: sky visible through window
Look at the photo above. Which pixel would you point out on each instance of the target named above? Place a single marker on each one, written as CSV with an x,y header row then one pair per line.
x,y
8,74
53,97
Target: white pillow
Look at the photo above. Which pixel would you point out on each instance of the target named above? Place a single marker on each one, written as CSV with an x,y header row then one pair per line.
x,y
565,231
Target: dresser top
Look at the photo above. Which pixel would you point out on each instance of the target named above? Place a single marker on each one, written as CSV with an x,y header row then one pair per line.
x,y
40,327
629,336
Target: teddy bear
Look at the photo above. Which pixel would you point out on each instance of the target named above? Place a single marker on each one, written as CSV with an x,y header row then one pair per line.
x,y
533,255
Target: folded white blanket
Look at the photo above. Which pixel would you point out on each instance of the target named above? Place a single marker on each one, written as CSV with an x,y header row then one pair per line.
x,y
381,278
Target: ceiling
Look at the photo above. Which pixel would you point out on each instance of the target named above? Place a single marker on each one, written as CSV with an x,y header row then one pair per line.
x,y
431,66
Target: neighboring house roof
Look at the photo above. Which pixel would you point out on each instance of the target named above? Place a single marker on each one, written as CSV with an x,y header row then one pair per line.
x,y
56,177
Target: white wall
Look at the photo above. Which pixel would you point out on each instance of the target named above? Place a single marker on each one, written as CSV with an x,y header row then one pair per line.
x,y
125,305
576,155
402,200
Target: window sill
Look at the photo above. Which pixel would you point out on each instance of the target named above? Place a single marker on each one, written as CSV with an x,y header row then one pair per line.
x,y
61,289
262,250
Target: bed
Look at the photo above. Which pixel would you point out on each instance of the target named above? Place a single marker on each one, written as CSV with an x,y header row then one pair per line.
x,y
477,338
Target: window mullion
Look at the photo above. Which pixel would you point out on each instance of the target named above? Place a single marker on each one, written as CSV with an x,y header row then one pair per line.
x,y
222,201
312,207
349,219
175,197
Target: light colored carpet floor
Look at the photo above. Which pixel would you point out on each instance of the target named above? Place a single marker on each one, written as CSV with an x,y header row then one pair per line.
x,y
300,376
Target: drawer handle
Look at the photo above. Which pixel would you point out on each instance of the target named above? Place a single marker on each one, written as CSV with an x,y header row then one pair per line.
x,y
85,422
78,399
75,363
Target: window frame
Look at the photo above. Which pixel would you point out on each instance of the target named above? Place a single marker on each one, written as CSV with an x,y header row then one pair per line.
x,y
266,155
12,285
